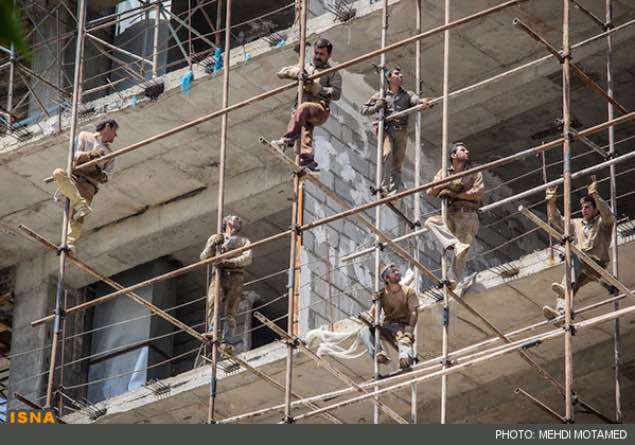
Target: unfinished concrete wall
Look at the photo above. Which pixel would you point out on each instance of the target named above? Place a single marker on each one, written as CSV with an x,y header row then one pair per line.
x,y
30,347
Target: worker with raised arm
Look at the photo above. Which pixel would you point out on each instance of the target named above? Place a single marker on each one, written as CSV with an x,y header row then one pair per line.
x,y
399,304
463,197
315,107
592,234
82,186
231,272
396,130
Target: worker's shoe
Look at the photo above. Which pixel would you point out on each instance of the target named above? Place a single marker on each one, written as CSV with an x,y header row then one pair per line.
x,y
551,313
81,211
404,363
282,144
382,358
558,289
309,163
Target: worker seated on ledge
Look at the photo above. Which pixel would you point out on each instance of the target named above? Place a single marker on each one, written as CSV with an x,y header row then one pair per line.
x,y
231,275
399,305
82,186
592,235
315,107
463,197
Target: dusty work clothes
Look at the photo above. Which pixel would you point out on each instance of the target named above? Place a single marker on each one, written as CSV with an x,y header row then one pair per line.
x,y
400,311
593,238
462,222
406,349
395,134
231,278
81,187
314,109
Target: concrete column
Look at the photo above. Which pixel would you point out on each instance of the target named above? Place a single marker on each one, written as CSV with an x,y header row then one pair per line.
x,y
34,295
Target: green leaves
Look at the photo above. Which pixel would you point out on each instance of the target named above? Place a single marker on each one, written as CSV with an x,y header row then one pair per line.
x,y
10,27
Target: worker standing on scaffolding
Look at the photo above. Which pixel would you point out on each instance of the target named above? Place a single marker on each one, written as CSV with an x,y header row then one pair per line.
x,y
396,130
592,235
82,186
315,108
231,272
463,196
399,304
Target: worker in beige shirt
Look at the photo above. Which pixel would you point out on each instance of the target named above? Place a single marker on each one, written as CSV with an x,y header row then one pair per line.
x,y
463,196
315,107
231,272
396,130
82,186
399,305
592,234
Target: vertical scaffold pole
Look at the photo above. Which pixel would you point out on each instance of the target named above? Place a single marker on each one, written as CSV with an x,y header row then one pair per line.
x,y
59,294
219,218
566,155
613,186
379,172
417,196
155,42
296,242
444,211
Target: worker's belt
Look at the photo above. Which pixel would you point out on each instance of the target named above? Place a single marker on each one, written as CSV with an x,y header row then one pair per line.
x,y
229,272
390,126
81,178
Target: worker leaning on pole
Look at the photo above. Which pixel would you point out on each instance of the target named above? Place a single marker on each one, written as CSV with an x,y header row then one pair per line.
x,y
399,304
315,107
463,196
592,234
396,130
231,272
82,186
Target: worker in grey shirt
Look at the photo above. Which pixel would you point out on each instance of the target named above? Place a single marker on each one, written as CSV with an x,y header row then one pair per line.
x,y
82,186
396,130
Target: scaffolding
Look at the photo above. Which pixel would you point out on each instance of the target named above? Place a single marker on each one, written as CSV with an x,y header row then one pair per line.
x,y
449,362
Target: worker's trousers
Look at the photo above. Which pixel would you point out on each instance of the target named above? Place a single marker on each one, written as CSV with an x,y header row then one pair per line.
x,y
394,153
582,274
302,123
79,192
406,349
231,287
459,233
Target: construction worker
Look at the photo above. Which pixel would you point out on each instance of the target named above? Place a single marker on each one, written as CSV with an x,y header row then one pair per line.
x,y
314,110
82,186
463,198
592,234
399,304
396,130
231,272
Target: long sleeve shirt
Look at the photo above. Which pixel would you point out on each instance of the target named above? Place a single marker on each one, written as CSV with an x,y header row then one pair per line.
x,y
395,103
469,185
227,244
593,237
87,141
330,84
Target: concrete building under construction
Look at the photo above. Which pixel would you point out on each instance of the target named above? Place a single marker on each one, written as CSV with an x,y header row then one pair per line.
x,y
116,329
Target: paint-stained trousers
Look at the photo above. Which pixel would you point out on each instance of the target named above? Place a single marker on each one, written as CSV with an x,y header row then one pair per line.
x,y
78,191
231,287
307,116
459,232
394,153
